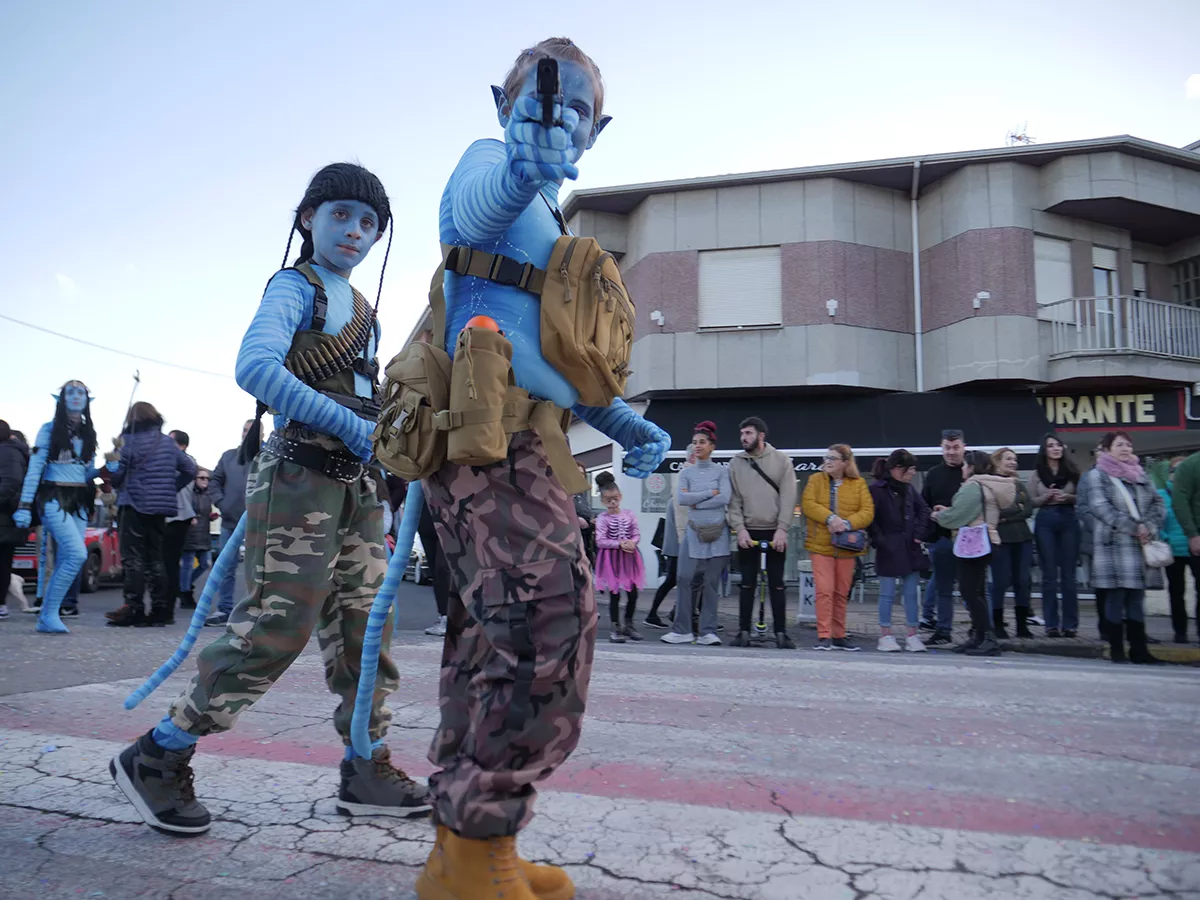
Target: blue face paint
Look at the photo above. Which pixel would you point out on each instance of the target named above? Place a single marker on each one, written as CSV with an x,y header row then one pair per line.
x,y
343,232
75,397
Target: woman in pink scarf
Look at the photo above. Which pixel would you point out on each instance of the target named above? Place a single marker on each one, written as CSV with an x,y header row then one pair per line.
x,y
1127,512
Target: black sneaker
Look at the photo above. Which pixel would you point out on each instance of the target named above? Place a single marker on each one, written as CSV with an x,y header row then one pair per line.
x,y
374,787
1001,632
1070,633
653,621
720,627
217,620
158,783
845,644
67,613
742,639
784,642
823,644
986,647
1053,633
1179,638
927,625
940,638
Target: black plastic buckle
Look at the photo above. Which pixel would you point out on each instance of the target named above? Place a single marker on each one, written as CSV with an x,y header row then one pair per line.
x,y
344,469
510,272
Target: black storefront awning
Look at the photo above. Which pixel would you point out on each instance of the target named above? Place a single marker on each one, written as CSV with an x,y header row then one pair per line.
x,y
879,422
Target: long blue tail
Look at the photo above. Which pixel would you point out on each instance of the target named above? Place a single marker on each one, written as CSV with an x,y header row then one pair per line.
x,y
360,735
228,558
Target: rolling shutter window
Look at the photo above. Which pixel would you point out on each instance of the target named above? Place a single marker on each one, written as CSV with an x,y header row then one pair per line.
x,y
1052,270
1139,280
1104,258
740,288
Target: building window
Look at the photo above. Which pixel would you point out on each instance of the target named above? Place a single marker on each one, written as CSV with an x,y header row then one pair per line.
x,y
1051,271
1104,272
741,288
1139,280
1187,281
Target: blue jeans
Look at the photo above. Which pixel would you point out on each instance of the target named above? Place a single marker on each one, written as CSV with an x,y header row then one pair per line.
x,y
225,588
939,593
1012,565
1057,536
910,585
187,568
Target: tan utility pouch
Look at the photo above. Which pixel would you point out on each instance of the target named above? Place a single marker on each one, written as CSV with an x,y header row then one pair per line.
x,y
587,320
411,435
479,386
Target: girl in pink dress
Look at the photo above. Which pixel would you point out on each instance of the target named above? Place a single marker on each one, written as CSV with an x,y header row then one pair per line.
x,y
618,560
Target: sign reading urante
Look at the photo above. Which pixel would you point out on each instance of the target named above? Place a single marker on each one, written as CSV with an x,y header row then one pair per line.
x,y
1101,410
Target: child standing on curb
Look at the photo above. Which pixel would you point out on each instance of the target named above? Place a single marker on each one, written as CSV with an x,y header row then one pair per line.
x,y
619,564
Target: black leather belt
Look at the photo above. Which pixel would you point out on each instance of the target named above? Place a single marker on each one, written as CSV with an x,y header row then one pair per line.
x,y
331,463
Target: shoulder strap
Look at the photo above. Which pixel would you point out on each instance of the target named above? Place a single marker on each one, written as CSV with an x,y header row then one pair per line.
x,y
493,267
557,213
766,477
1129,501
320,300
437,304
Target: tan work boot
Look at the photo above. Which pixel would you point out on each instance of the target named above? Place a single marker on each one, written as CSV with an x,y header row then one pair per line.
x,y
457,864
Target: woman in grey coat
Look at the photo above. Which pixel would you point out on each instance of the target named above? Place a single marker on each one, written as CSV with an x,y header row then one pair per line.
x,y
704,550
1126,512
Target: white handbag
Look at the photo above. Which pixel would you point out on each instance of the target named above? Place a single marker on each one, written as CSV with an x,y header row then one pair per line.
x,y
1157,554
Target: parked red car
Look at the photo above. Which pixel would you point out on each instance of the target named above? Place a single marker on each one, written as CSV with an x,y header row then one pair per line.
x,y
104,553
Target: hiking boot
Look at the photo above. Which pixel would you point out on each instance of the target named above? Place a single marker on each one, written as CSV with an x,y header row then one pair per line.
x,y
125,616
940,639
217,620
374,787
630,632
823,644
158,783
844,643
615,636
913,644
546,882
783,641
888,644
986,647
438,628
653,621
460,868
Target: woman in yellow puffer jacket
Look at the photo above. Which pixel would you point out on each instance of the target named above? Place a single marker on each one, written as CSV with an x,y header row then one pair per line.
x,y
835,500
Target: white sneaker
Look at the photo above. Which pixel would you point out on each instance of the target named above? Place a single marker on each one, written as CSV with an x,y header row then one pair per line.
x,y
3,610
708,640
1036,620
438,629
888,644
914,644
672,637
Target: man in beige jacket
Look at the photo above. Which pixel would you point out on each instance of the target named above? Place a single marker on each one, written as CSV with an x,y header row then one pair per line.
x,y
764,497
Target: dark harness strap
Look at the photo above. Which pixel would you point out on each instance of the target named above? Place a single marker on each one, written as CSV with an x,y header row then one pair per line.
x,y
522,639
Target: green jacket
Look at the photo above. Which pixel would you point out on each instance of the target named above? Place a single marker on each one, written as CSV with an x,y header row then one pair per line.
x,y
1185,495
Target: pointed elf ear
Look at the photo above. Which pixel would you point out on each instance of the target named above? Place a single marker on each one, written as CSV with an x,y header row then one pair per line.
x,y
503,108
596,129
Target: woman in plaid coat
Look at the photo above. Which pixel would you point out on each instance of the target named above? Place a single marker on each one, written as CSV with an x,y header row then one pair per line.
x,y
1118,566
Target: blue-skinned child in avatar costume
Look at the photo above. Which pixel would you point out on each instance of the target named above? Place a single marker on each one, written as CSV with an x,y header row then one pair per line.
x,y
59,485
315,551
522,617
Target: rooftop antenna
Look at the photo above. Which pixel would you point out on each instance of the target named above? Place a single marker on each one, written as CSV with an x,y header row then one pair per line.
x,y
1019,135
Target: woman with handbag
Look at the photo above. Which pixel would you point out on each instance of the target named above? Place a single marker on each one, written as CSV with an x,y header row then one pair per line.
x,y
972,517
1012,561
704,490
901,524
838,507
1128,559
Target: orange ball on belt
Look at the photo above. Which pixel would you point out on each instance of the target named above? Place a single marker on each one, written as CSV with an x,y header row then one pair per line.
x,y
483,322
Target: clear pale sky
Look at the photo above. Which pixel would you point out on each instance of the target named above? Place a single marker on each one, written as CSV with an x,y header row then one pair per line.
x,y
153,152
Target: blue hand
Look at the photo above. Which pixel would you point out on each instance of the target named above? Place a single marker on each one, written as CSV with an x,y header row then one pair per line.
x,y
22,518
112,465
643,458
537,154
646,444
361,445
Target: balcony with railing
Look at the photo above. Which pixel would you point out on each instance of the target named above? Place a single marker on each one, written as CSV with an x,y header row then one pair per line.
x,y
1119,325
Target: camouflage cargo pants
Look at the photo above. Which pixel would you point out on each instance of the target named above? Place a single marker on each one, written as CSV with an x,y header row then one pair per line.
x,y
315,557
519,642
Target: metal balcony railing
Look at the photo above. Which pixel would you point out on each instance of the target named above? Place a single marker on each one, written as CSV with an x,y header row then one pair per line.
x,y
1084,326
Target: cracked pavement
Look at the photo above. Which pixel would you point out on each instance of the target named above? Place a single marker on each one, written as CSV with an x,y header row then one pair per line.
x,y
702,773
